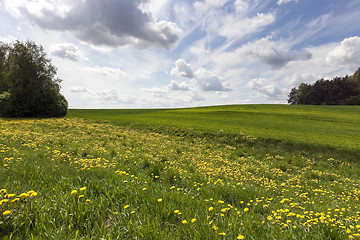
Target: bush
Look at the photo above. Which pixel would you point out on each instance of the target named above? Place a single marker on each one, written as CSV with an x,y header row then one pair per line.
x,y
28,86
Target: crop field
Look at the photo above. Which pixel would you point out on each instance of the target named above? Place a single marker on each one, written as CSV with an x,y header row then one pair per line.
x,y
229,172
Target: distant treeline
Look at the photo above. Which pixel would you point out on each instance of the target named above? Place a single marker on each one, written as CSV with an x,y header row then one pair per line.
x,y
338,91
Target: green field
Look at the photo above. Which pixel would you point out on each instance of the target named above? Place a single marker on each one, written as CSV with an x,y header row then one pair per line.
x,y
226,172
336,128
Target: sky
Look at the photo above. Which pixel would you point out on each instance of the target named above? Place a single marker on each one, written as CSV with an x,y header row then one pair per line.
x,y
179,53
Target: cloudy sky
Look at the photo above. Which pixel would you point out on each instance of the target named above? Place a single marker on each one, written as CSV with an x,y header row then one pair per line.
x,y
182,53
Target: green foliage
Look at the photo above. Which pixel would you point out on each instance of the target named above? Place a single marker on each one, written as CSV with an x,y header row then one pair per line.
x,y
28,85
338,91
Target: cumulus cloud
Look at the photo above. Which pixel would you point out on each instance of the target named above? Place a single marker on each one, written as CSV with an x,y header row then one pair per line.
x,y
66,51
348,53
269,91
176,86
110,23
203,79
208,81
182,69
274,54
78,89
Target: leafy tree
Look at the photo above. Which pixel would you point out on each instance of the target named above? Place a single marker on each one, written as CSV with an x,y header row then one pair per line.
x,y
292,96
28,83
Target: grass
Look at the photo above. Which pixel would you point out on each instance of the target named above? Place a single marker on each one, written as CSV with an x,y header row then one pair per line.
x,y
103,177
323,129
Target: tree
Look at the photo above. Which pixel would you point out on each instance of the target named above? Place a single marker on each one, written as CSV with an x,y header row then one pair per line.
x,y
28,83
292,96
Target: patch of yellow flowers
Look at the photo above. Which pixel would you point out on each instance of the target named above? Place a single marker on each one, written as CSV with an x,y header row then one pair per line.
x,y
10,201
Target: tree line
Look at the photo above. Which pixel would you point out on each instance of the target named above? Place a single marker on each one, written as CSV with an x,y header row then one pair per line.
x,y
28,83
337,91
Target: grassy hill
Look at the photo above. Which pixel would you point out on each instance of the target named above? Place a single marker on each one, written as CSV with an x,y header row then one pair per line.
x,y
317,128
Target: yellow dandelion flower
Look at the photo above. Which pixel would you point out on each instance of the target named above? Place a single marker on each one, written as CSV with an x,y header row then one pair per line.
x,y
15,200
184,222
7,212
10,195
83,189
176,211
159,200
269,218
73,192
222,234
246,210
33,194
127,206
116,213
144,188
210,209
3,190
24,195
81,196
240,237
223,210
193,220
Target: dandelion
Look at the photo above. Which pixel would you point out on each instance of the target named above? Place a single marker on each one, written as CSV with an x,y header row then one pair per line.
x,y
246,210
240,237
222,234
83,189
10,195
7,212
223,210
81,196
127,206
144,188
15,200
73,192
24,195
184,222
116,213
176,211
3,190
159,200
269,218
33,194
210,209
193,220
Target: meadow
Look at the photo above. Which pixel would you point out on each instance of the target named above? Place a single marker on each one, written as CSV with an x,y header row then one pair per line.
x,y
227,172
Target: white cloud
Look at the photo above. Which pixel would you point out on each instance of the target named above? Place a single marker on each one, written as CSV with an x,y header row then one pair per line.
x,y
279,2
208,81
203,79
348,53
182,69
267,90
110,96
108,71
78,89
66,51
109,23
176,86
275,54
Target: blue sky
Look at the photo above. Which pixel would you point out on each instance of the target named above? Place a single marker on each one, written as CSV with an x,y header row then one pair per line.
x,y
181,53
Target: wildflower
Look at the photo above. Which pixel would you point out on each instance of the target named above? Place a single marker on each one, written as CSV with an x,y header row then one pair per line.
x,y
246,210
193,220
3,190
81,196
132,212
184,222
223,210
159,200
24,195
176,211
269,218
9,195
87,200
83,189
33,194
127,206
222,234
73,192
210,209
116,213
15,200
7,212
240,237
144,188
